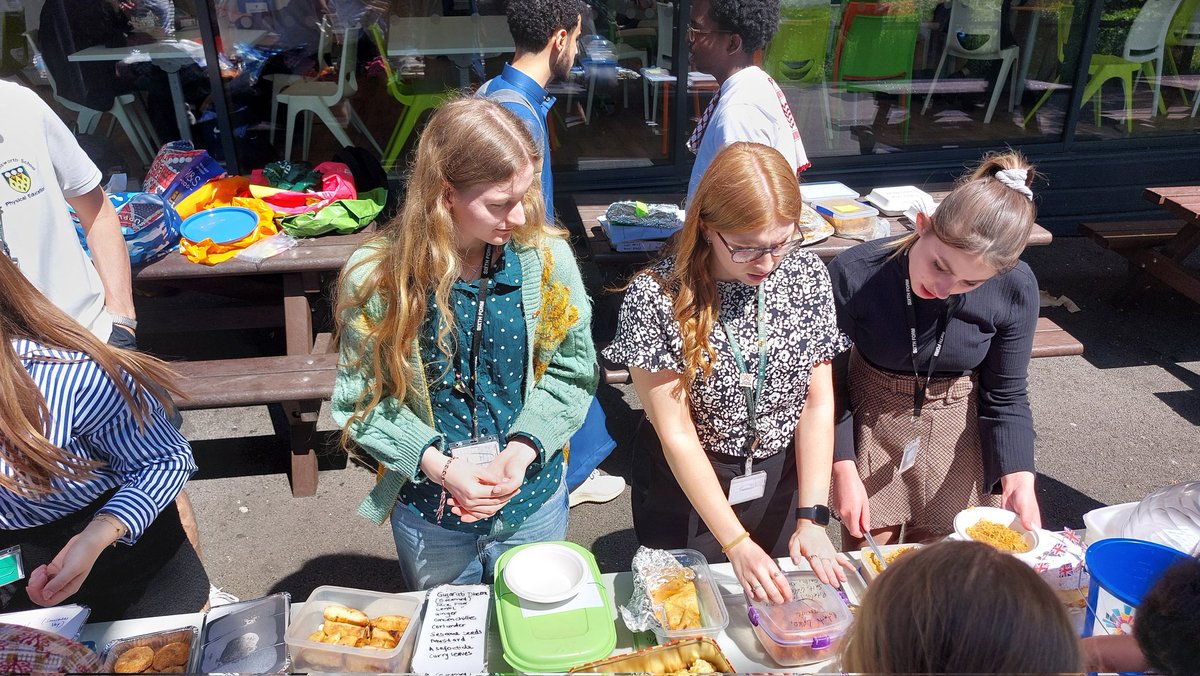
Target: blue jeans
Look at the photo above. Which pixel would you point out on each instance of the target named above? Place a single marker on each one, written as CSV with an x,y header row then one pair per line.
x,y
431,555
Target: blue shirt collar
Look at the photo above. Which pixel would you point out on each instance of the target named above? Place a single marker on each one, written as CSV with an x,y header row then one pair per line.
x,y
525,84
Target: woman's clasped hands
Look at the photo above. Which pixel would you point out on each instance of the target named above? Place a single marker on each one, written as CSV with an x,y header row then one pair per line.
x,y
478,492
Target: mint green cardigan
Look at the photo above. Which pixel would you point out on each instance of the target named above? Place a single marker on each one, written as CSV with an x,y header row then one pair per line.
x,y
396,433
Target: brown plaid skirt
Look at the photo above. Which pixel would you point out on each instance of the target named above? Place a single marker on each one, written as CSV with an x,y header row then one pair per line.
x,y
948,474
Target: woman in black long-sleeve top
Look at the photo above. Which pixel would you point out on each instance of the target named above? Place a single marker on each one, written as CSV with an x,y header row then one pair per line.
x,y
922,432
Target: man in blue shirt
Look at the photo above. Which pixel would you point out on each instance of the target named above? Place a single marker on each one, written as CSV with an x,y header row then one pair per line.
x,y
546,33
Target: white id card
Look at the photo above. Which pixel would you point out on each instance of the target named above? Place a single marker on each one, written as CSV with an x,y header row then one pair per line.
x,y
910,454
479,451
747,487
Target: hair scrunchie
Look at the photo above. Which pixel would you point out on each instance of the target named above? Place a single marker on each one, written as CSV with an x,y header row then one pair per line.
x,y
1015,179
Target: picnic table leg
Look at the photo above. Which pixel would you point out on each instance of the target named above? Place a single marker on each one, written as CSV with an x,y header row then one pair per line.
x,y
1147,265
302,415
302,424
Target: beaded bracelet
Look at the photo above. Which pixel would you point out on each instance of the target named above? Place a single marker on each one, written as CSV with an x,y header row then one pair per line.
x,y
442,481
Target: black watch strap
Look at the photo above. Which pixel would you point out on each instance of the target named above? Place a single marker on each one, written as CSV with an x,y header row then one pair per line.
x,y
818,514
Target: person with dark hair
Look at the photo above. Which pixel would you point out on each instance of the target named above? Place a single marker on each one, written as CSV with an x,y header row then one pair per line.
x,y
546,33
723,36
960,608
1165,629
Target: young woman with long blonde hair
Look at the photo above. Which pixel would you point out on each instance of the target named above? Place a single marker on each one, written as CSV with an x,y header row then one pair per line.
x,y
934,410
729,342
90,466
467,357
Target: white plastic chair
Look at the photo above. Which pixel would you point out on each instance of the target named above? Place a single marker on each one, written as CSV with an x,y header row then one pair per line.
x,y
281,81
125,109
318,98
976,19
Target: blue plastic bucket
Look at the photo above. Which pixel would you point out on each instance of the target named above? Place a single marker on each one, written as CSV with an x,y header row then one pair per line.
x,y
1126,569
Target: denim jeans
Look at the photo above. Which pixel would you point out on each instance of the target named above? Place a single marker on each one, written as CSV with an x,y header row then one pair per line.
x,y
431,555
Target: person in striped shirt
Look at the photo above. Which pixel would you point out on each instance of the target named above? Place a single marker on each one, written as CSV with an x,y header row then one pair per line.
x,y
89,462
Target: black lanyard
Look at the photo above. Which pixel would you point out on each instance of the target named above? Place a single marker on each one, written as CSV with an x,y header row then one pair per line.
x,y
485,276
910,311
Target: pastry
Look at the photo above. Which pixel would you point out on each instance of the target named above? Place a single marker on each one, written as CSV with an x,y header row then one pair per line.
x,y
332,628
174,654
393,623
346,615
134,660
680,609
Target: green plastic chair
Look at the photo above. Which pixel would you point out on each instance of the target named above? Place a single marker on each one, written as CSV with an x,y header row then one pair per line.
x,y
415,102
1144,47
877,43
796,55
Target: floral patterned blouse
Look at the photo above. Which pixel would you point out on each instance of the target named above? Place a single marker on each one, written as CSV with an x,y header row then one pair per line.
x,y
801,332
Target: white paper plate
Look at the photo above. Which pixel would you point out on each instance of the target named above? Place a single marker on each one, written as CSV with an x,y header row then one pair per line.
x,y
546,573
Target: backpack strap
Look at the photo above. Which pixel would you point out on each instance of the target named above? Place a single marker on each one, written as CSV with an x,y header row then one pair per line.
x,y
504,95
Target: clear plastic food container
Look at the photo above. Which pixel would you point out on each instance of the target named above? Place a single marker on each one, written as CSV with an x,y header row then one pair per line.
x,y
871,568
849,217
805,630
314,656
714,617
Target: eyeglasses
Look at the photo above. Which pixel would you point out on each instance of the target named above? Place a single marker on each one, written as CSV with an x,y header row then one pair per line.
x,y
751,254
692,32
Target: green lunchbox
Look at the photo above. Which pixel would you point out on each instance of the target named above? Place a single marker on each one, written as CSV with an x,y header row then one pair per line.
x,y
549,641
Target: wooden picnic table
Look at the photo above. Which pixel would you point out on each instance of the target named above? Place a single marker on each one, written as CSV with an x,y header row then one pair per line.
x,y
592,205
1156,249
301,378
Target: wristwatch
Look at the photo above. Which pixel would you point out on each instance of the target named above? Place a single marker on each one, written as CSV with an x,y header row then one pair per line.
x,y
122,320
818,514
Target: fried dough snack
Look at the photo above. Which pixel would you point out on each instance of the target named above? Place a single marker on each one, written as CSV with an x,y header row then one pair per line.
x,y
676,594
351,627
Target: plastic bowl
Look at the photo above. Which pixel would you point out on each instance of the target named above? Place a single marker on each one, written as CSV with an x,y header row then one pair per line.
x,y
546,573
969,517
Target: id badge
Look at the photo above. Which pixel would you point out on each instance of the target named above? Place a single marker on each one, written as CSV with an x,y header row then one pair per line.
x,y
478,451
909,458
12,567
747,487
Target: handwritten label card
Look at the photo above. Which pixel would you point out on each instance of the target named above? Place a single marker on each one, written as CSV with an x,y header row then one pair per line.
x,y
453,638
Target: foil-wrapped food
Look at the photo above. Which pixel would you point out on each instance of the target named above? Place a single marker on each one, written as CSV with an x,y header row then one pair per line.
x,y
665,216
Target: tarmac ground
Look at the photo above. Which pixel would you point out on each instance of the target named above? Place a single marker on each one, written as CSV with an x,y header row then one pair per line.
x,y
1113,425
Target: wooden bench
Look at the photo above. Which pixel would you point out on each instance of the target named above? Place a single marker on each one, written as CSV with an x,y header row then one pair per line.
x,y
299,382
224,383
1119,235
1049,340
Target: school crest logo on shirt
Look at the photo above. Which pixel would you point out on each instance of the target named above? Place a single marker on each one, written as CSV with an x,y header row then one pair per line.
x,y
18,178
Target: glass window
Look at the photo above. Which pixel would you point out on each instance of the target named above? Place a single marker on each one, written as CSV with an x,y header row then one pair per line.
x,y
881,77
1144,75
139,62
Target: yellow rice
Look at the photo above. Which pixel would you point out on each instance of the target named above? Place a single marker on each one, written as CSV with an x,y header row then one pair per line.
x,y
999,536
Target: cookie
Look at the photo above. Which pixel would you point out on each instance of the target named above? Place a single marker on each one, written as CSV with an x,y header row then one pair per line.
x,y
173,654
346,615
134,660
176,669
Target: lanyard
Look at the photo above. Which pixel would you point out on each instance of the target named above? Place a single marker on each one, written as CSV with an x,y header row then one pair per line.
x,y
751,389
485,278
911,313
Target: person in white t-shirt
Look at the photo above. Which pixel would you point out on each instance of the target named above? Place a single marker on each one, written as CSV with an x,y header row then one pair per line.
x,y
723,36
44,170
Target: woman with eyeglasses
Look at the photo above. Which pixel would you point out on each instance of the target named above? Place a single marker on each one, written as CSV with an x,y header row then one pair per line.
x,y
729,343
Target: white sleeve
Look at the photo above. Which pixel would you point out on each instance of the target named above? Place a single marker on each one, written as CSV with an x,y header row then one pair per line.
x,y
77,174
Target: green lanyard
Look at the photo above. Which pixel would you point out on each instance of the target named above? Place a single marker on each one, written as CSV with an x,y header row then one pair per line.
x,y
752,390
